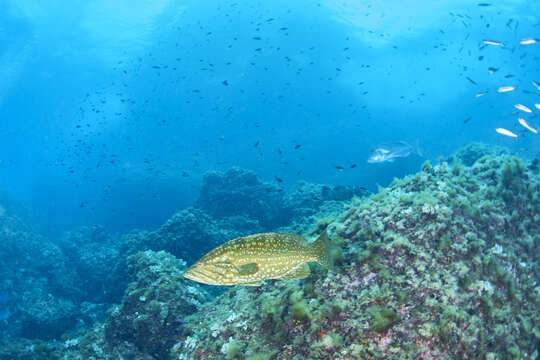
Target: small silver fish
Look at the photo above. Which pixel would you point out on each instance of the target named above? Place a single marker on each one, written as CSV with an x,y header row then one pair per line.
x,y
527,126
536,85
504,89
528,41
493,42
482,93
523,108
505,132
390,151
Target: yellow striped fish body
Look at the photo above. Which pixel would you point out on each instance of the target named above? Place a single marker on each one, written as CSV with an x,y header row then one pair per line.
x,y
250,259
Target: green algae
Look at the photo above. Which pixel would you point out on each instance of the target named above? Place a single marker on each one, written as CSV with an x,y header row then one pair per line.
x,y
262,356
299,311
382,318
233,350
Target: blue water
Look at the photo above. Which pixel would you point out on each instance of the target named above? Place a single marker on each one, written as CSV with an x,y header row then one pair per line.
x,y
111,111
69,107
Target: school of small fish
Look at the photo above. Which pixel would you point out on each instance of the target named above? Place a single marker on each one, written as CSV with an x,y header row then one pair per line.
x,y
510,88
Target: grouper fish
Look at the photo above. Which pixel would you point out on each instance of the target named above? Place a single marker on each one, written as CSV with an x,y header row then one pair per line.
x,y
251,259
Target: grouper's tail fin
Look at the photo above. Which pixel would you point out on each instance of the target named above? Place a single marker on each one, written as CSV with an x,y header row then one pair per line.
x,y
321,248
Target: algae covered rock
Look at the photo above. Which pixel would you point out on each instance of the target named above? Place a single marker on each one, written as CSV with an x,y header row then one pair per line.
x,y
443,264
154,306
37,290
44,316
188,234
468,154
306,198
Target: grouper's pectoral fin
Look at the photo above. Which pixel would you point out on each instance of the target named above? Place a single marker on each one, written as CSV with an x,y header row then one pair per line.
x,y
299,272
247,269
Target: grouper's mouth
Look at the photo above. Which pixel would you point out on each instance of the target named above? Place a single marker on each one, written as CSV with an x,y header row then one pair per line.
x,y
195,273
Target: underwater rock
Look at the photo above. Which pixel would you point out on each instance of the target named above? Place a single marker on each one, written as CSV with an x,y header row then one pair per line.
x,y
441,264
11,207
36,273
310,195
188,234
93,255
327,212
44,316
306,198
239,192
468,154
154,306
35,349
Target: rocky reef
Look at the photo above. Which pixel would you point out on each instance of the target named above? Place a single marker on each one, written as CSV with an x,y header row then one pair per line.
x,y
239,193
440,265
443,264
144,325
152,311
36,286
467,155
52,292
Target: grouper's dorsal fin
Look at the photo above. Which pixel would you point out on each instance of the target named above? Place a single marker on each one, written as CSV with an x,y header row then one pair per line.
x,y
295,238
299,272
247,269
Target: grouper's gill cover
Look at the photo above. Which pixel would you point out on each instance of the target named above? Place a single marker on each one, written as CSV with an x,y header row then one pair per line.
x,y
250,259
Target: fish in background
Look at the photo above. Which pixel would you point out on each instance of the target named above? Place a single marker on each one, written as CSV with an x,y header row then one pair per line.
x,y
504,89
389,151
523,108
528,41
524,123
506,132
493,42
